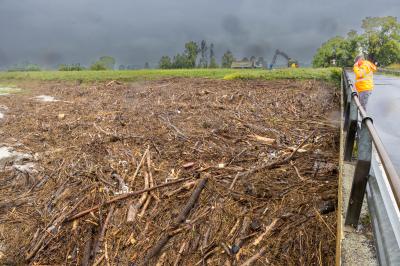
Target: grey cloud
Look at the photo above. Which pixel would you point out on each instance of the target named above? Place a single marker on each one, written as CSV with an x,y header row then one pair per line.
x,y
51,32
327,25
3,57
258,49
233,26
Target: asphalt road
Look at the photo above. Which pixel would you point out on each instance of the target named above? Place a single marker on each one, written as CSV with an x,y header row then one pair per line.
x,y
384,108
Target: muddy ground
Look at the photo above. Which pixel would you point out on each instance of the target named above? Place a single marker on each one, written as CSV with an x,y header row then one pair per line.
x,y
237,171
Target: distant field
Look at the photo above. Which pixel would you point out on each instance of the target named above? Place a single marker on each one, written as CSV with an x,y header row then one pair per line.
x,y
133,75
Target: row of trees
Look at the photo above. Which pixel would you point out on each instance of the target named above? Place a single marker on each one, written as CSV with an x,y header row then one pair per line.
x,y
104,63
188,58
379,41
25,66
193,51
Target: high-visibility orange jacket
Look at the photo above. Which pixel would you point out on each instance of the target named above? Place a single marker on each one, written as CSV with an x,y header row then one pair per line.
x,y
364,69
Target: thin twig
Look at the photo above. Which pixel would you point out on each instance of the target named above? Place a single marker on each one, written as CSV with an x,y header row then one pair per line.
x,y
177,130
297,171
139,165
180,252
322,219
255,257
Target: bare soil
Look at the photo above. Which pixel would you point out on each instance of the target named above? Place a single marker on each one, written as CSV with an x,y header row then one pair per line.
x,y
255,164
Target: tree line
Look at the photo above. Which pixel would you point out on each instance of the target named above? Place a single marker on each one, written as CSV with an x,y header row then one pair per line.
x,y
196,55
379,41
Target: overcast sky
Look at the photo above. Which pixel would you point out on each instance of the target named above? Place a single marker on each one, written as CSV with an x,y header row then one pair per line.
x,y
50,32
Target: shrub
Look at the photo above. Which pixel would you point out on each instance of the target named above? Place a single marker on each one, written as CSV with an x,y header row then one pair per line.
x,y
73,67
98,66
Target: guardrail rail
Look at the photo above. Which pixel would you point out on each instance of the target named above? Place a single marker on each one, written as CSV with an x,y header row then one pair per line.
x,y
374,176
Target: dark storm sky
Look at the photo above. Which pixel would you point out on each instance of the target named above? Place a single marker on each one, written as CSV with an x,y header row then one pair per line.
x,y
49,32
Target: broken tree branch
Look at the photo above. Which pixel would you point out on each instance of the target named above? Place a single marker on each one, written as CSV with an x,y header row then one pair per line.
x,y
122,197
100,239
180,219
134,208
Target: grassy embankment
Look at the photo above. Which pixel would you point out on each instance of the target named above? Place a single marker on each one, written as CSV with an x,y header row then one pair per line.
x,y
329,74
394,67
7,89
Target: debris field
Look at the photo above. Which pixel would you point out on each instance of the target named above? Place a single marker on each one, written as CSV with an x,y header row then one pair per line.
x,y
170,172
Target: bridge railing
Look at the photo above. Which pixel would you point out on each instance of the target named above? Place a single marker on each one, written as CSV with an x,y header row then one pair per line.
x,y
374,175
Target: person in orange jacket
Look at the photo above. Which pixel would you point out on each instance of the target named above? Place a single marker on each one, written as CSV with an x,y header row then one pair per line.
x,y
363,70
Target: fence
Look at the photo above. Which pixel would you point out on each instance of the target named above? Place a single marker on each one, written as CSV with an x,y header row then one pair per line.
x,y
374,176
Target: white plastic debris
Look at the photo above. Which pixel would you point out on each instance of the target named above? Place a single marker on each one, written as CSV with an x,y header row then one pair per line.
x,y
46,98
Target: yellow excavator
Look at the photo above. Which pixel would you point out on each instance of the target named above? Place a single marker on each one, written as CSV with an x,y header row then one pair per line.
x,y
290,61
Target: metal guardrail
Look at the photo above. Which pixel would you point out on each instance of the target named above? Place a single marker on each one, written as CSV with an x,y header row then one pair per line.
x,y
374,175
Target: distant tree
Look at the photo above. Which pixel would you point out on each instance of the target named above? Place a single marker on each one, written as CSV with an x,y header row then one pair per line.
x,y
245,59
108,61
98,65
380,42
165,62
227,59
185,60
203,54
353,48
121,67
63,67
181,61
212,53
25,66
146,65
252,58
213,61
191,52
334,48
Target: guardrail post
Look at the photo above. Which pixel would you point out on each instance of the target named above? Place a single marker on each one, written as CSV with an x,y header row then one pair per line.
x,y
352,118
347,104
343,87
361,174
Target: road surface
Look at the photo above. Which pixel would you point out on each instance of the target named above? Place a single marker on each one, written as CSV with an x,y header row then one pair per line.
x,y
384,108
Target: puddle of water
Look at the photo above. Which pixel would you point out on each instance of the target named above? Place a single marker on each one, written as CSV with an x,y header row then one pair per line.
x,y
46,98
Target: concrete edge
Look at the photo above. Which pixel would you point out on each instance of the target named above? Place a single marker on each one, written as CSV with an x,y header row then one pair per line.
x,y
339,222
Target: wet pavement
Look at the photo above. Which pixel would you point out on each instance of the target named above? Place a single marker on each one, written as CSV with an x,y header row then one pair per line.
x,y
384,108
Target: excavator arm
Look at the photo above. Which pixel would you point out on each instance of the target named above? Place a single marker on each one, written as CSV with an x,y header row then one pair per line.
x,y
278,52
